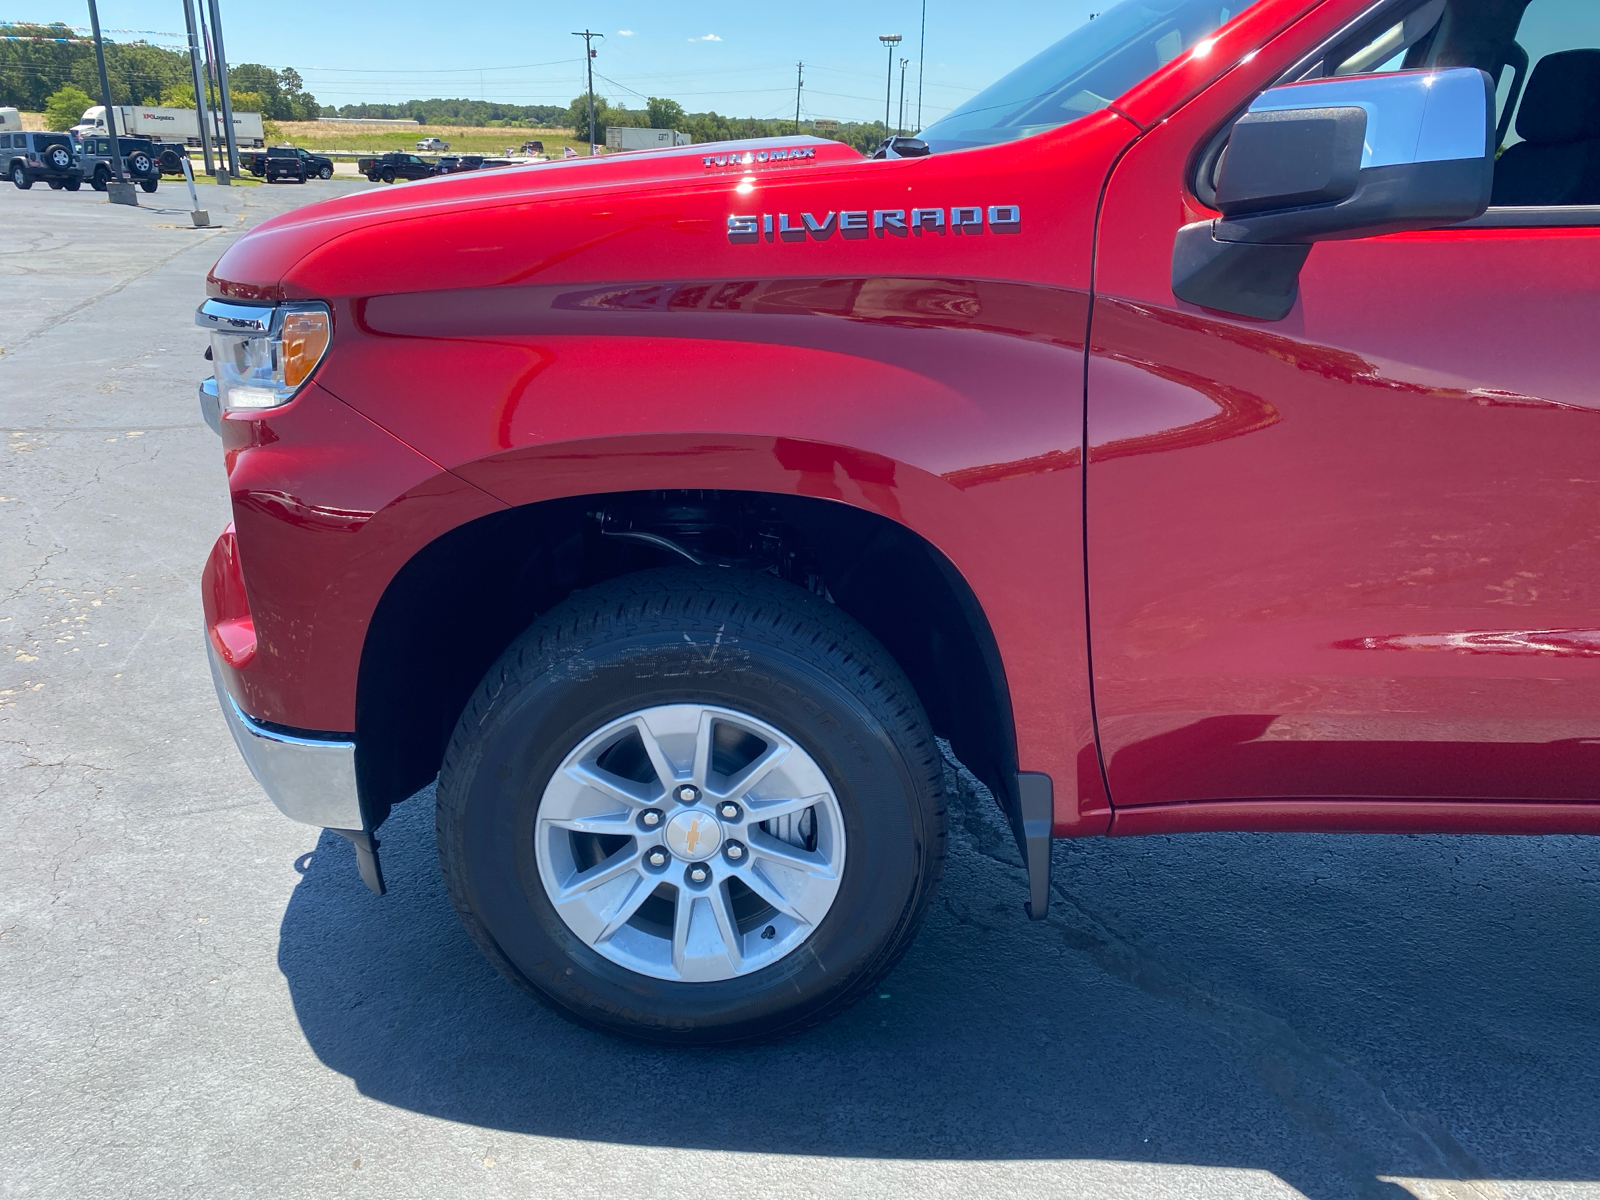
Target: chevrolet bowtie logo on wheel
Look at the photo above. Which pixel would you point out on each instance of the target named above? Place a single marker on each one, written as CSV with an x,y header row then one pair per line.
x,y
691,840
747,228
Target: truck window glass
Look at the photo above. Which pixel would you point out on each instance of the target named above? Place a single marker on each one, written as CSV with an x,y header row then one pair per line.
x,y
1548,27
1081,73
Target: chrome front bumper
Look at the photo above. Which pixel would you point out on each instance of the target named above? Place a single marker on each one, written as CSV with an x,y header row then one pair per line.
x,y
310,780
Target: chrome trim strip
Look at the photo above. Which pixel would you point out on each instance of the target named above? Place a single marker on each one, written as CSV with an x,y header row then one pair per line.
x,y
235,318
211,405
309,780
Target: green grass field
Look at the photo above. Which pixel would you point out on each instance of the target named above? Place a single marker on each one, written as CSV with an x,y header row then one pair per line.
x,y
316,135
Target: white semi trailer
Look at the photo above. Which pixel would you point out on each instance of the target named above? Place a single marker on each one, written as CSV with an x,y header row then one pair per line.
x,y
620,137
172,128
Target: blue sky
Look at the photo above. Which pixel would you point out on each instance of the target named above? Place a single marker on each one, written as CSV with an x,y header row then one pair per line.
x,y
738,59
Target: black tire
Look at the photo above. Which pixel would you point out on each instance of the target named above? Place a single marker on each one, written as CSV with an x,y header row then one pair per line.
x,y
58,158
325,173
372,177
149,185
101,178
788,659
74,184
56,184
387,174
20,178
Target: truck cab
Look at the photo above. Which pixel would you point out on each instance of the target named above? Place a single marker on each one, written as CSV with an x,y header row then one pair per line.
x,y
1193,431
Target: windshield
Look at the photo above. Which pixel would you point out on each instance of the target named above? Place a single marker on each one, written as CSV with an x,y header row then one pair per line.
x,y
1083,72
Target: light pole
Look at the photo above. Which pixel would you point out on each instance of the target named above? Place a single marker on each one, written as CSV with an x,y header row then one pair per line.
x,y
922,59
799,82
890,41
200,109
221,64
900,125
588,62
119,190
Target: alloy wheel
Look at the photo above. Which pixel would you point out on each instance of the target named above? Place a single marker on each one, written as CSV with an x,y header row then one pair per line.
x,y
690,842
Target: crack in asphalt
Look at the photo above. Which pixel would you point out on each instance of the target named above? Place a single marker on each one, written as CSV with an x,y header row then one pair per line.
x,y
67,314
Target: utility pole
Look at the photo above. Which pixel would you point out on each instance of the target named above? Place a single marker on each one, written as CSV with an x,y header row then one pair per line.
x,y
922,61
799,82
890,41
588,62
900,125
200,109
221,63
119,190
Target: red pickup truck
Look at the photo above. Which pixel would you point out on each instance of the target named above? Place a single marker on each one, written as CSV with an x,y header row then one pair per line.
x,y
1199,429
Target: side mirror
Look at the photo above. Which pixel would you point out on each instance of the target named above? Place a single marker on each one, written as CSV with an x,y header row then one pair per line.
x,y
1330,159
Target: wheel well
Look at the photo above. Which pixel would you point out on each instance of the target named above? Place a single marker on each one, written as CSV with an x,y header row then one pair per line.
x,y
461,600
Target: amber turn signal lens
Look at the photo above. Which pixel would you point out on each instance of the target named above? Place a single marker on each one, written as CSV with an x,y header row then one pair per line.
x,y
304,340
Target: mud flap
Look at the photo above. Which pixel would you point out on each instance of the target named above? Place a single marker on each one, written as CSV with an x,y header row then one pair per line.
x,y
1030,824
366,857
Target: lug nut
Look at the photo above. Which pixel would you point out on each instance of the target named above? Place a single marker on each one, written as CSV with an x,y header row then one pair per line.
x,y
688,793
656,857
698,874
728,810
650,818
734,851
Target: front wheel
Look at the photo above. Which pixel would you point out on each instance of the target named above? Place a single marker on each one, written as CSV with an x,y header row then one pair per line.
x,y
325,173
20,178
693,807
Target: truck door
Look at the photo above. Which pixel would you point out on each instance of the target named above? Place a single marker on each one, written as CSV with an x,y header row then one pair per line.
x,y
1355,553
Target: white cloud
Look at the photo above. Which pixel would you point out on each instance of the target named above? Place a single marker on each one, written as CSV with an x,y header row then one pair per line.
x,y
624,33
710,37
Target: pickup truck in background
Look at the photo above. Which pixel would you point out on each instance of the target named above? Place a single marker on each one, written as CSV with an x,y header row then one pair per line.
x,y
1194,431
397,164
290,162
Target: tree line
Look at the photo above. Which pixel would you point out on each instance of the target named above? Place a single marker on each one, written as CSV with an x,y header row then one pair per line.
x,y
58,76
32,72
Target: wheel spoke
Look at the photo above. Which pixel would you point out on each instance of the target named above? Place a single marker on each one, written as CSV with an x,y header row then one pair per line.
x,y
771,810
629,793
666,772
809,862
727,923
682,915
643,885
763,766
613,824
618,864
768,891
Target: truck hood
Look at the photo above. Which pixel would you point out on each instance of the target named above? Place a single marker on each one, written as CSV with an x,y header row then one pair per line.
x,y
254,266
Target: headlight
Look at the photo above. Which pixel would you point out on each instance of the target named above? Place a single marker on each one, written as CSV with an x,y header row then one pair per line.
x,y
262,354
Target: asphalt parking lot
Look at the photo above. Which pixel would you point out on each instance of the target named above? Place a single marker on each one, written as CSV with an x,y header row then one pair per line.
x,y
199,998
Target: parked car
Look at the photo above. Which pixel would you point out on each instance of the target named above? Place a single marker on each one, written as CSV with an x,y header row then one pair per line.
x,y
397,164
30,157
687,503
432,145
138,158
290,162
452,164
